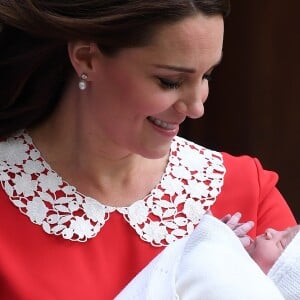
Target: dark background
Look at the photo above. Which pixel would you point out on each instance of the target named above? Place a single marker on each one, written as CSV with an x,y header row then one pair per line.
x,y
254,102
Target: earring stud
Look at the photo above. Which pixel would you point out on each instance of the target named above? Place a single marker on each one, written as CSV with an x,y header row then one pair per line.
x,y
82,84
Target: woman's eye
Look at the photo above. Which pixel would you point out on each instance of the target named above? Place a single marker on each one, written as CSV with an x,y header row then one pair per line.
x,y
208,77
169,84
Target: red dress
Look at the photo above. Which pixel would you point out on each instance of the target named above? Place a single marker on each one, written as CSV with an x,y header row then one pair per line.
x,y
56,243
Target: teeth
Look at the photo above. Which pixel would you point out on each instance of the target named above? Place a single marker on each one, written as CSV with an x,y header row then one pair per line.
x,y
161,123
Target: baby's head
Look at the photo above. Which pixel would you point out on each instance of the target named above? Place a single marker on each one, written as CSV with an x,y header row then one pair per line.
x,y
267,247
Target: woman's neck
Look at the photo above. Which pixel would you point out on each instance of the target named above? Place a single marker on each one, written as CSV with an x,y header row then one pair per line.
x,y
94,166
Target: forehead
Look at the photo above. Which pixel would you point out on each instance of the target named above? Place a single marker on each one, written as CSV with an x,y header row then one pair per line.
x,y
184,32
196,35
291,231
195,42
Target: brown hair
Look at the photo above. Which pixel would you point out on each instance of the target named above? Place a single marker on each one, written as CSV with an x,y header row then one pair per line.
x,y
34,62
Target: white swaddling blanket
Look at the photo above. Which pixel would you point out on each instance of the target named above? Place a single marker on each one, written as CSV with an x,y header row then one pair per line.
x,y
210,264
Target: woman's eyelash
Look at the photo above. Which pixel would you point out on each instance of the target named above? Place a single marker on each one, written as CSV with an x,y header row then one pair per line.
x,y
208,77
169,84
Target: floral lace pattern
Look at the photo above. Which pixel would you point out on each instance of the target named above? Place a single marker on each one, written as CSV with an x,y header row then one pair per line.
x,y
192,180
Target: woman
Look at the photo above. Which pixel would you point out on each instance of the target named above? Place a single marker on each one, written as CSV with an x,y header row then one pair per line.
x,y
93,95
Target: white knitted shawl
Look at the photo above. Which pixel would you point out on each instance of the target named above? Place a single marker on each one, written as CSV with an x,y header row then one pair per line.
x,y
285,273
210,264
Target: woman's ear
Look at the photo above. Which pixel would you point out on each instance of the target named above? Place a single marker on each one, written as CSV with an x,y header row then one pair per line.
x,y
83,56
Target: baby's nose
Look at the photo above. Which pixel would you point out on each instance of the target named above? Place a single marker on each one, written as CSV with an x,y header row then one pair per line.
x,y
269,233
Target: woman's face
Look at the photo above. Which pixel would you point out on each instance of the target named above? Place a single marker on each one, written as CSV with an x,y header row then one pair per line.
x,y
141,96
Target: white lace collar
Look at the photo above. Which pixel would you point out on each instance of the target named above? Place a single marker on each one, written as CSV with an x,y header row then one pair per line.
x,y
193,179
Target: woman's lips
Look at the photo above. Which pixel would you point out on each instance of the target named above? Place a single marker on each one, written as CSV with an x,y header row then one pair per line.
x,y
162,124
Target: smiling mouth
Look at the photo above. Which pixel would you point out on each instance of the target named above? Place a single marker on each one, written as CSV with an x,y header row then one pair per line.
x,y
161,124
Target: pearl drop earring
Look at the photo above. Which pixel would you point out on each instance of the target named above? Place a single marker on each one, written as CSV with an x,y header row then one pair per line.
x,y
82,84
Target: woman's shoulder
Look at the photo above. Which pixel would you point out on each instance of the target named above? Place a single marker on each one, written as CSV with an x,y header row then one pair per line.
x,y
232,162
237,170
249,168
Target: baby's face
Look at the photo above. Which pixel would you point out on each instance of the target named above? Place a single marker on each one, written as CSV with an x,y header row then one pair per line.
x,y
267,247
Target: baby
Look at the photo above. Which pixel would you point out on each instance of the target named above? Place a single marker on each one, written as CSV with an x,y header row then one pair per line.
x,y
213,264
278,255
266,248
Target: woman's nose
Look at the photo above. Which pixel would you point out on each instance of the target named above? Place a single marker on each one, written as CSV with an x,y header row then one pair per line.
x,y
193,110
192,102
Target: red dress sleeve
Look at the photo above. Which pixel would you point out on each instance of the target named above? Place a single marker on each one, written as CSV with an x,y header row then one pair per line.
x,y
251,190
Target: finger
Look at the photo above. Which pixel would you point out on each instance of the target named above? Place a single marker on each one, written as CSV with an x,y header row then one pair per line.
x,y
243,228
246,241
234,220
226,218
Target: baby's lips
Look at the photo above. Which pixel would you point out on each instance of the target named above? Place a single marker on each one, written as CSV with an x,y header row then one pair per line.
x,y
250,243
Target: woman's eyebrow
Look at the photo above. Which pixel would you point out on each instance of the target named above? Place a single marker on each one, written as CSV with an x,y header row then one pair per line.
x,y
183,69
176,68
